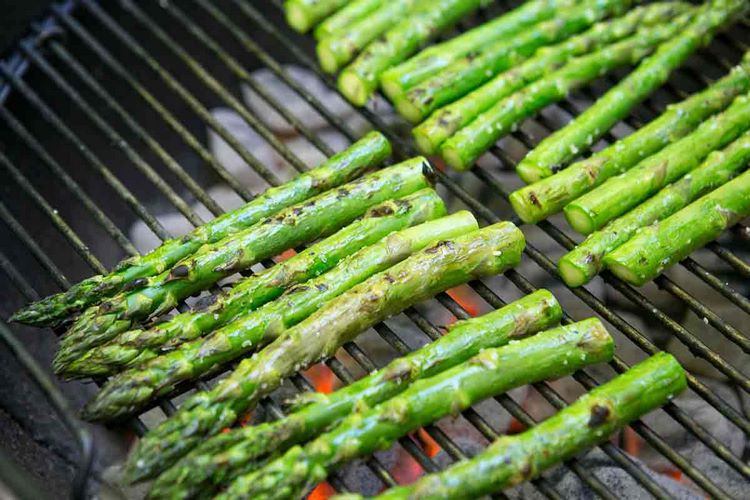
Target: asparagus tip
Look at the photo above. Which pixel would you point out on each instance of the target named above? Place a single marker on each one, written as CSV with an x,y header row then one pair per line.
x,y
353,88
579,219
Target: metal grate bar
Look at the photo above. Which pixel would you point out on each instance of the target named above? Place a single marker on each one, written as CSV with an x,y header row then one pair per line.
x,y
117,68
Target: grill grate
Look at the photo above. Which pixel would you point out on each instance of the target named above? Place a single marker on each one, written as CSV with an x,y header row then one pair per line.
x,y
196,54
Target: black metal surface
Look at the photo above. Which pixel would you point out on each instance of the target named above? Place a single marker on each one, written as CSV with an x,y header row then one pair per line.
x,y
172,64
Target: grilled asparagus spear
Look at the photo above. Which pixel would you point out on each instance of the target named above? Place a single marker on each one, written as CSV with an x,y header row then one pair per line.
x,y
239,451
548,196
443,123
581,264
428,18
134,388
292,226
466,145
657,247
304,14
397,80
484,252
366,153
476,68
339,49
549,354
562,146
349,14
133,347
619,194
589,421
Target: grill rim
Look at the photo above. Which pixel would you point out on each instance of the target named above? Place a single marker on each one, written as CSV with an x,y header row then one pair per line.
x,y
60,13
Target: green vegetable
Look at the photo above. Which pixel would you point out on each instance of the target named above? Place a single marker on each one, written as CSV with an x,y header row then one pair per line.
x,y
657,247
132,389
429,17
397,80
582,263
133,347
319,216
619,194
352,12
589,421
563,145
304,14
476,68
465,146
548,196
484,252
549,354
443,123
368,152
337,50
242,450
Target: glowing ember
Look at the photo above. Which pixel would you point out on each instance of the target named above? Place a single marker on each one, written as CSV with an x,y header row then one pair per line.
x,y
430,447
286,254
322,491
465,298
321,378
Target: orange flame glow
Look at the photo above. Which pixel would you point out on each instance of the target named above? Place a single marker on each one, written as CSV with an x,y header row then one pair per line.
x,y
322,491
321,377
464,296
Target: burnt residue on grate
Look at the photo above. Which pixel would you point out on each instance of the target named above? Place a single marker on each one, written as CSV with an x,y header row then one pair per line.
x,y
134,122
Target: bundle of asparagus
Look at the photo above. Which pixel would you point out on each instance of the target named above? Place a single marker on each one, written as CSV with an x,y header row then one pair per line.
x,y
228,455
443,123
295,225
397,80
465,146
134,388
134,347
426,20
479,66
549,354
563,145
582,263
484,252
657,247
619,194
589,421
368,152
549,195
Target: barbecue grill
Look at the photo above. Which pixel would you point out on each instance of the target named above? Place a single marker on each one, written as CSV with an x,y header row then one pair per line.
x,y
105,111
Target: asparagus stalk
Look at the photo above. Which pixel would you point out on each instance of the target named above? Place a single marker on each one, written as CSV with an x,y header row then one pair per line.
x,y
443,123
337,50
134,388
397,80
589,421
319,216
484,252
429,17
582,263
304,14
133,347
548,196
476,68
619,194
563,145
549,354
242,450
351,13
659,246
466,145
366,153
